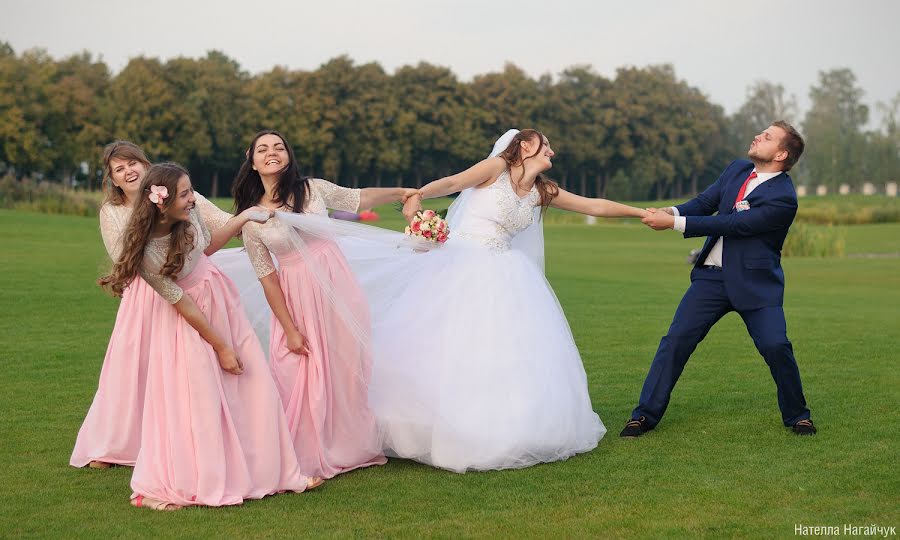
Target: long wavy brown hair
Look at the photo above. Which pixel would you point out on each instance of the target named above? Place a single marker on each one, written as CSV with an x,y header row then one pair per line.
x,y
293,187
547,188
126,150
144,218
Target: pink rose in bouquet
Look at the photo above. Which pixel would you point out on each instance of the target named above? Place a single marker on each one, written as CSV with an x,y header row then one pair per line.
x,y
429,225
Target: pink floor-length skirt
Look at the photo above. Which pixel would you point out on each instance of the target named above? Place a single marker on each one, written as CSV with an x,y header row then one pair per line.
x,y
211,438
325,395
111,431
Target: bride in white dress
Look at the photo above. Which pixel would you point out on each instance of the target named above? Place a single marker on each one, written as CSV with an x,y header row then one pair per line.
x,y
474,365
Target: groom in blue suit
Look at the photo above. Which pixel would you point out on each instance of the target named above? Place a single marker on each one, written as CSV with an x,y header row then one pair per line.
x,y
738,269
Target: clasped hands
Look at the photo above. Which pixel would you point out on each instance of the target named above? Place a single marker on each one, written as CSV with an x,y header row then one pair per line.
x,y
659,219
412,203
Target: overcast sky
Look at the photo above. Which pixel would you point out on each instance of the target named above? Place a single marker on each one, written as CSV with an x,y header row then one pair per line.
x,y
719,46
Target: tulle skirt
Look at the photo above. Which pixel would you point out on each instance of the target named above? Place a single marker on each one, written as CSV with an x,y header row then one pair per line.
x,y
209,437
111,431
475,365
325,394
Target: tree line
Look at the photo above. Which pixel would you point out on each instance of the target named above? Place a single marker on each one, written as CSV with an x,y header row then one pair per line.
x,y
644,134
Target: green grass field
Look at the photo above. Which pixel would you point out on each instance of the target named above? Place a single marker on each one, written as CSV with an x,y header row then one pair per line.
x,y
719,465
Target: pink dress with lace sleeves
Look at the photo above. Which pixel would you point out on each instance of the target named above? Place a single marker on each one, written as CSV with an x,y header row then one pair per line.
x,y
325,395
210,438
111,431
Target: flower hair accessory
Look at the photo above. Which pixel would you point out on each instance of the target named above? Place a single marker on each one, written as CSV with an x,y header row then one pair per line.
x,y
158,194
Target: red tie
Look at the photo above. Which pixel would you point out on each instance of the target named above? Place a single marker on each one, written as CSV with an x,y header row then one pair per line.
x,y
743,190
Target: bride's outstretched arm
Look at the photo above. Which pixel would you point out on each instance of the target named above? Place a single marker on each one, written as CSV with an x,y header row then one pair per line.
x,y
594,207
475,175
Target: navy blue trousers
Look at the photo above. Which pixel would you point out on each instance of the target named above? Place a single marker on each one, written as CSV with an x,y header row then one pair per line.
x,y
704,303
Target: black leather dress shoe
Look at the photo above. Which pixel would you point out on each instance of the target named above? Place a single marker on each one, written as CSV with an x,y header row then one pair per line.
x,y
636,428
804,427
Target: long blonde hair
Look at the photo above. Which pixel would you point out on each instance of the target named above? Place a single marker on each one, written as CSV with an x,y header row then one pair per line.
x,y
126,150
144,217
547,188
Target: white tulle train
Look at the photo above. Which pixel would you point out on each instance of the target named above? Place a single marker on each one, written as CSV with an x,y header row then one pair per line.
x,y
474,365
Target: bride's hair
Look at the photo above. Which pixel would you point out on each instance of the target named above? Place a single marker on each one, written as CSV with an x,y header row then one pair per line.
x,y
144,218
248,189
513,156
125,150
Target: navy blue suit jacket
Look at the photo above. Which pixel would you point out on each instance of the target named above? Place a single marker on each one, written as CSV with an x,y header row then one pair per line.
x,y
751,253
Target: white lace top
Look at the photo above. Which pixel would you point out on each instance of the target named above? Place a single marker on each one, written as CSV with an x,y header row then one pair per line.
x,y
263,239
205,217
495,214
113,220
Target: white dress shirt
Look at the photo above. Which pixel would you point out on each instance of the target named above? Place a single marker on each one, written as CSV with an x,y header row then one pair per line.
x,y
715,254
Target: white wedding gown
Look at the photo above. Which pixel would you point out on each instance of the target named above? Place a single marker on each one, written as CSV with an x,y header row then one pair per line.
x,y
473,363
475,367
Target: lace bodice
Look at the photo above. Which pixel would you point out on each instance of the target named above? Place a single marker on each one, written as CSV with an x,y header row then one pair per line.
x,y
114,218
495,214
274,236
205,217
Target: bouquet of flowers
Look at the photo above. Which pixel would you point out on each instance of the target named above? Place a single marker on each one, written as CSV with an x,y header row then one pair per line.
x,y
429,225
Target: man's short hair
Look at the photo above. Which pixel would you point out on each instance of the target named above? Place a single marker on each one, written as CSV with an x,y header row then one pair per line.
x,y
792,142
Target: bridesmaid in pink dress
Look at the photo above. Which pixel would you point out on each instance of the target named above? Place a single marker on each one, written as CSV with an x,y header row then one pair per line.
x,y
320,365
213,431
111,431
